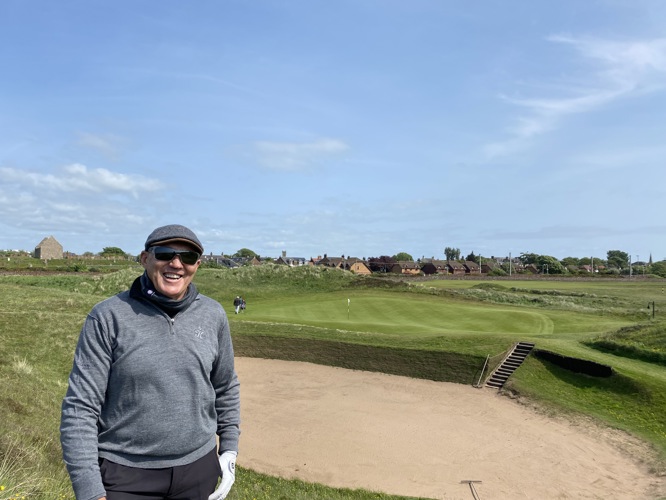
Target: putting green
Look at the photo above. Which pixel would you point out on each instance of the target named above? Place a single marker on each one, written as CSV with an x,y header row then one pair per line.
x,y
393,313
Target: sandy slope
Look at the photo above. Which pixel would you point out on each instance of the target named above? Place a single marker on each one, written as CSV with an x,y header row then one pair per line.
x,y
421,438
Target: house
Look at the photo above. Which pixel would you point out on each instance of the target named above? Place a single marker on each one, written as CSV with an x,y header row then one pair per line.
x,y
410,268
335,262
290,261
353,264
488,266
428,268
471,267
531,268
394,268
358,267
220,260
433,266
230,263
456,268
48,248
348,262
517,266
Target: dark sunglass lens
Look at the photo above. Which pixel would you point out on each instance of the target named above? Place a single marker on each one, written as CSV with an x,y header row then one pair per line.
x,y
168,254
189,257
164,254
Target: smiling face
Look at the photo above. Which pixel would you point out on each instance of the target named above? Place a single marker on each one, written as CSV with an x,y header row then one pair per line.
x,y
171,278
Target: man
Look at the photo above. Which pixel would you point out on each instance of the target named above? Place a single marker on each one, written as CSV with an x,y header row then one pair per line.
x,y
237,303
153,382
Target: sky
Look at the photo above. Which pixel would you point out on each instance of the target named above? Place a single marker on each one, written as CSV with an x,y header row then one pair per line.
x,y
353,127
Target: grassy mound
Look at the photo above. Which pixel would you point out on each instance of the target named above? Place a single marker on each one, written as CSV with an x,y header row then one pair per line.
x,y
645,342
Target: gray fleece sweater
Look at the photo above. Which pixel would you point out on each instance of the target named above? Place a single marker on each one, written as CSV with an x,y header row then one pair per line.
x,y
147,390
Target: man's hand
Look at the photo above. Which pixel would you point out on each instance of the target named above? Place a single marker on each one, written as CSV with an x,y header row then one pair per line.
x,y
228,466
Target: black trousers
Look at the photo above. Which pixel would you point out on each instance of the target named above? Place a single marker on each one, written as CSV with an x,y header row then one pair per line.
x,y
194,481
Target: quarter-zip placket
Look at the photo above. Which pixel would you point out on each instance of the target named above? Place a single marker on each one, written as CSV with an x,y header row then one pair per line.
x,y
170,320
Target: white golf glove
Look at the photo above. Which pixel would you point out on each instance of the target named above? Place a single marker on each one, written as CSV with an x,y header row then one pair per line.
x,y
228,466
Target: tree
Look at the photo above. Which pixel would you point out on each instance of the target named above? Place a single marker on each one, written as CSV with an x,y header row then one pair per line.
x,y
544,263
112,252
617,259
403,256
659,268
549,265
592,261
529,258
472,258
570,261
452,253
380,264
245,253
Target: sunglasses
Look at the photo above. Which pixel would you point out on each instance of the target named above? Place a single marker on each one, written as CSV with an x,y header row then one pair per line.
x,y
168,254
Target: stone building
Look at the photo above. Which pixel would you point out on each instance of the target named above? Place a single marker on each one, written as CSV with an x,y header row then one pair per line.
x,y
48,248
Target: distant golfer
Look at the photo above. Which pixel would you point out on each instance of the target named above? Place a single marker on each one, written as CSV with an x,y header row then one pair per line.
x,y
152,384
238,302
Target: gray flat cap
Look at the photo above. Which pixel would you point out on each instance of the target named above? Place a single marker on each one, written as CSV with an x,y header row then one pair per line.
x,y
173,232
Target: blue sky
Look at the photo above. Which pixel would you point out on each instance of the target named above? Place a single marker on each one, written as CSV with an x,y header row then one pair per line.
x,y
355,127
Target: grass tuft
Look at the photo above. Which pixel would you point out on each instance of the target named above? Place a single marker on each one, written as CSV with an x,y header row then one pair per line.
x,y
21,366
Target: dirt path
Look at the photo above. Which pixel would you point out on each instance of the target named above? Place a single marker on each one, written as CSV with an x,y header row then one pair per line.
x,y
404,436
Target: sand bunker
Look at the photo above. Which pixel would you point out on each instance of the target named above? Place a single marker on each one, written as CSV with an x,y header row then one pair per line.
x,y
411,437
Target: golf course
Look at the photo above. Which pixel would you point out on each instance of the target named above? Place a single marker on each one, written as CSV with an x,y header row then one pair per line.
x,y
419,331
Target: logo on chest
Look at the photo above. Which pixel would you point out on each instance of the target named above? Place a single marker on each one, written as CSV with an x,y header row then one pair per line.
x,y
199,333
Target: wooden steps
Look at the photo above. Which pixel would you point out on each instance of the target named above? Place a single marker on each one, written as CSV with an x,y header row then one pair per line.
x,y
511,363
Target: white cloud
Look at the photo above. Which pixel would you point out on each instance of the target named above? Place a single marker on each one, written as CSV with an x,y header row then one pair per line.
x,y
292,156
74,197
623,61
101,179
77,178
617,69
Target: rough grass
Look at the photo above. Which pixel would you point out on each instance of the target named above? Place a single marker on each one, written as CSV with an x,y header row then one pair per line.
x,y
40,317
431,365
646,342
250,485
569,300
268,280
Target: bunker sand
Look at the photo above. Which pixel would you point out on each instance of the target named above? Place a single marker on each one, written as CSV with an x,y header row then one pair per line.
x,y
355,429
